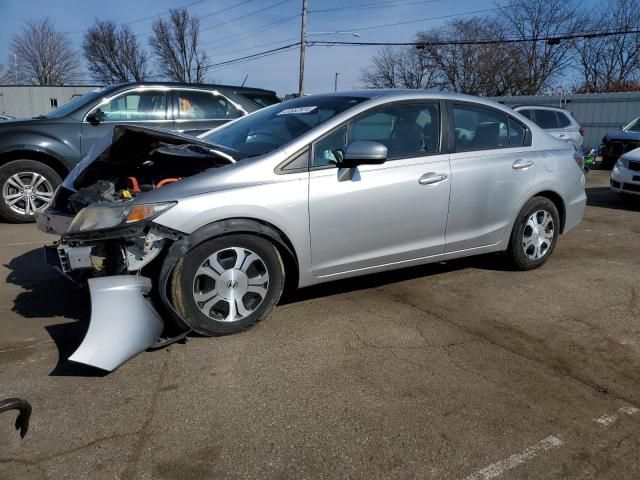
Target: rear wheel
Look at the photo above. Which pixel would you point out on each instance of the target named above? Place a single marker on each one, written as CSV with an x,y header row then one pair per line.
x,y
534,234
26,186
228,284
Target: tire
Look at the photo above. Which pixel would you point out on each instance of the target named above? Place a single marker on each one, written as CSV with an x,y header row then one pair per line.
x,y
17,204
527,255
234,294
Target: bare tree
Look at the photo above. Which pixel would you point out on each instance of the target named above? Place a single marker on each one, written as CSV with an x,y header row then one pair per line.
x,y
466,64
609,64
113,54
175,44
43,55
542,61
400,68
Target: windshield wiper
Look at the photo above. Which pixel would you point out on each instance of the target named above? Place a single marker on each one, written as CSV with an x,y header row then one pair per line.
x,y
39,117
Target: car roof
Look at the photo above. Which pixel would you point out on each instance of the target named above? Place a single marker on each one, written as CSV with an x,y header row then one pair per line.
x,y
235,88
409,94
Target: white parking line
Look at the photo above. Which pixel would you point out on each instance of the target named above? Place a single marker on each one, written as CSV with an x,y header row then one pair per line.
x,y
516,459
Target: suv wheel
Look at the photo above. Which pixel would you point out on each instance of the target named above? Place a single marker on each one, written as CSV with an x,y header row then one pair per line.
x,y
26,186
228,284
534,233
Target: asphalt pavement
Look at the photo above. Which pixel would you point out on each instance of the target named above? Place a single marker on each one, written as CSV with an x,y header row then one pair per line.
x,y
458,370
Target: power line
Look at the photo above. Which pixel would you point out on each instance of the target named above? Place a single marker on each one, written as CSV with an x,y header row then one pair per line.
x,y
254,55
249,33
226,9
371,27
551,39
144,18
254,47
246,15
373,5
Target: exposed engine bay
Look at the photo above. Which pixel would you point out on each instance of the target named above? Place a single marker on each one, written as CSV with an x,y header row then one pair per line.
x,y
109,241
134,161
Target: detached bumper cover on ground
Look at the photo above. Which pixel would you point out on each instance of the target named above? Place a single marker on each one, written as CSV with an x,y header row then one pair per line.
x,y
123,322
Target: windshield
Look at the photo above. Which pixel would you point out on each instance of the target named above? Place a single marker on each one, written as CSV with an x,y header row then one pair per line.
x,y
75,103
633,126
270,128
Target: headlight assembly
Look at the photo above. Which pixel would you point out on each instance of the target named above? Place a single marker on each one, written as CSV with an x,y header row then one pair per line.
x,y
99,218
621,163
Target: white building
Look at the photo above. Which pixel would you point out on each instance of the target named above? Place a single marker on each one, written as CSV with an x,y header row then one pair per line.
x,y
25,101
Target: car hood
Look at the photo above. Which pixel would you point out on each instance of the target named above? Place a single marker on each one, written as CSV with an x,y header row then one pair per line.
x,y
622,135
129,150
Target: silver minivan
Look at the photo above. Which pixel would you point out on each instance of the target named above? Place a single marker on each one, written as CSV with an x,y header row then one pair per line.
x,y
556,121
319,188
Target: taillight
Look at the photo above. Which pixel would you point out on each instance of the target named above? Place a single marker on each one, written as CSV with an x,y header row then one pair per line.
x,y
582,131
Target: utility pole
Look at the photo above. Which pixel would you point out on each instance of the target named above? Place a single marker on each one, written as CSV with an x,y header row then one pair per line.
x,y
303,42
335,83
15,66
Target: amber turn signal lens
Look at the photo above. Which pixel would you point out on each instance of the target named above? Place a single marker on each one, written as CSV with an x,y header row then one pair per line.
x,y
140,212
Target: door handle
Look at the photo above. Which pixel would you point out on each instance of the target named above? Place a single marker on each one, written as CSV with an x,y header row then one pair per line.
x,y
432,178
522,164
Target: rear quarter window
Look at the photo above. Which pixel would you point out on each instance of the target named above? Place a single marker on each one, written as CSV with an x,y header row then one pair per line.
x,y
563,120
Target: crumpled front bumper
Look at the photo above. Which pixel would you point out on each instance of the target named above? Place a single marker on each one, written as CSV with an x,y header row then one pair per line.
x,y
123,322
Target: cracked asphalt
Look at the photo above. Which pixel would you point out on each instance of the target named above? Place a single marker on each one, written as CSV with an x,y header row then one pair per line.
x,y
462,370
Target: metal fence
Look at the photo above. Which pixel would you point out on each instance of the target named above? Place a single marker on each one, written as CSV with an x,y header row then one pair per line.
x,y
598,113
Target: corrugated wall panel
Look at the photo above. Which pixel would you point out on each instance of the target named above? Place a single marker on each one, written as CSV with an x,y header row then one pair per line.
x,y
597,113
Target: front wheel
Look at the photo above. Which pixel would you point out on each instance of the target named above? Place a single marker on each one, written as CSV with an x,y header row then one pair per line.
x,y
26,186
534,234
228,284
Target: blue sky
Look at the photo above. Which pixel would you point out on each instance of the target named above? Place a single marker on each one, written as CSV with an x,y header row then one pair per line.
x,y
226,38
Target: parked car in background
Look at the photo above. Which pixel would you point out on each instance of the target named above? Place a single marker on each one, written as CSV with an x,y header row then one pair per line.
x,y
617,143
556,121
625,176
4,118
36,154
308,191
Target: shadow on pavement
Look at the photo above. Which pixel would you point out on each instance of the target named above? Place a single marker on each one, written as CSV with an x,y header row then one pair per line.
x,y
603,197
48,295
496,262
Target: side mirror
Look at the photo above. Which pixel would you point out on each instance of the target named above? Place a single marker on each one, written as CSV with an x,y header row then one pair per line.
x,y
363,153
95,117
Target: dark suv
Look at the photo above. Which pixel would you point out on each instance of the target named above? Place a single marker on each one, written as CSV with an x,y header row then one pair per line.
x,y
36,154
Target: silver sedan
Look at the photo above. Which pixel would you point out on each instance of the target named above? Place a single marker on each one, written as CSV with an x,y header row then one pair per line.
x,y
307,191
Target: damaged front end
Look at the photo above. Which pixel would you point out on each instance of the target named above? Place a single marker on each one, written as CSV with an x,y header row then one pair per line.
x,y
110,241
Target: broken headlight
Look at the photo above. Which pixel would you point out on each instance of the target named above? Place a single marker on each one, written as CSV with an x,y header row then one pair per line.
x,y
98,218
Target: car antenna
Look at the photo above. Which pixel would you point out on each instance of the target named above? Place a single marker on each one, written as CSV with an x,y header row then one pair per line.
x,y
245,80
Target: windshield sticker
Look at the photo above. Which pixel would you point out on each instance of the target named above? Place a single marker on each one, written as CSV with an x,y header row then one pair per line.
x,y
295,111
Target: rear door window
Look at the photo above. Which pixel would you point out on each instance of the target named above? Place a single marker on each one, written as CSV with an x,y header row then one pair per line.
x,y
478,128
199,105
546,119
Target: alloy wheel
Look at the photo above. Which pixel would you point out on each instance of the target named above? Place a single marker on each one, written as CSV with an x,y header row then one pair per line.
x,y
26,192
537,235
230,284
